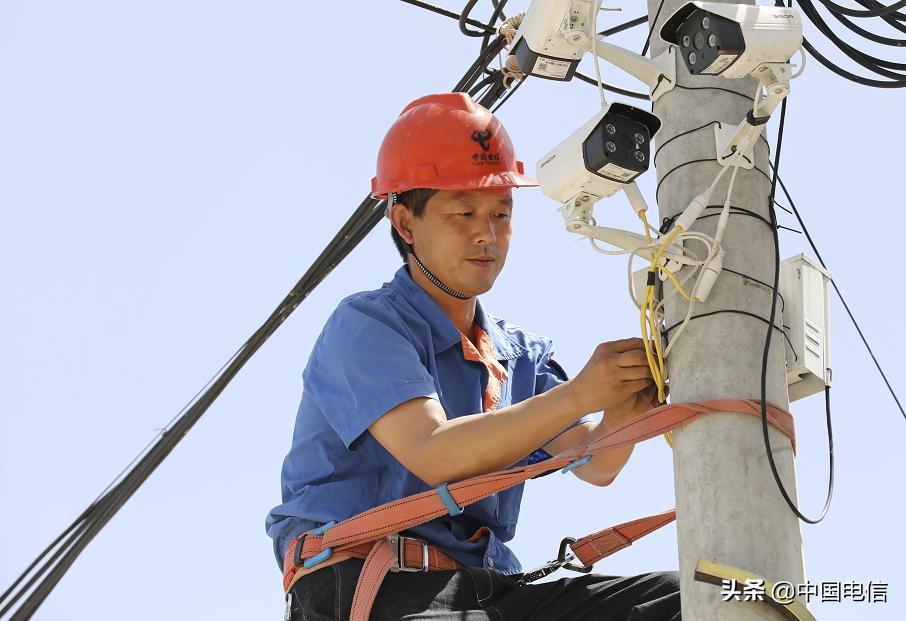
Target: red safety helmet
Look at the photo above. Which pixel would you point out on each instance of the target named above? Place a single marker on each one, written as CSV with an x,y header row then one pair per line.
x,y
447,142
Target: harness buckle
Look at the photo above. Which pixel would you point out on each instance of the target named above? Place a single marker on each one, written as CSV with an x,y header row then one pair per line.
x,y
321,556
398,545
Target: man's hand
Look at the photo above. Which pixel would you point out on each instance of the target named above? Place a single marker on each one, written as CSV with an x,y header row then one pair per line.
x,y
616,377
633,407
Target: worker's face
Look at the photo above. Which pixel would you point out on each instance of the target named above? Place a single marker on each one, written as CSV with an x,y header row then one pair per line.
x,y
463,236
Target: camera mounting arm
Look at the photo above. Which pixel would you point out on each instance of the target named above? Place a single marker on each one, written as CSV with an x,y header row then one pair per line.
x,y
773,88
658,73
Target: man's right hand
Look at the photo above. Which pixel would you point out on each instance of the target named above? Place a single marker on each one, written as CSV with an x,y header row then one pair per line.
x,y
616,371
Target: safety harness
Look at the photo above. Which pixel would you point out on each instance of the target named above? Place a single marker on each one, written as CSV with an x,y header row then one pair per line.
x,y
374,534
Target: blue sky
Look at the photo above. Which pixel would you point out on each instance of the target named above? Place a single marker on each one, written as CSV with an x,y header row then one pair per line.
x,y
168,170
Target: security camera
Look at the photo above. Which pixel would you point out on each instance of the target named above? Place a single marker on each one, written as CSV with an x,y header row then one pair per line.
x,y
546,44
732,40
555,34
598,159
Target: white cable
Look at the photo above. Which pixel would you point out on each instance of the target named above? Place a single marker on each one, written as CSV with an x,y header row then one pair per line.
x,y
610,252
725,212
593,36
673,292
688,316
632,297
707,240
802,66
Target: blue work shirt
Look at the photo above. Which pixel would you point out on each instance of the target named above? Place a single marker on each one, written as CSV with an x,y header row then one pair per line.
x,y
380,349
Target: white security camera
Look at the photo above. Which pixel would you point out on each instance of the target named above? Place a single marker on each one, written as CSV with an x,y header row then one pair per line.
x,y
732,40
546,45
555,34
598,159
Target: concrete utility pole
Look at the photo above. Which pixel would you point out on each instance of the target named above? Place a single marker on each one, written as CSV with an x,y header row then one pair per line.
x,y
728,507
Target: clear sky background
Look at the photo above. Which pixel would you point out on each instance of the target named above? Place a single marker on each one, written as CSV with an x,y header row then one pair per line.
x,y
169,169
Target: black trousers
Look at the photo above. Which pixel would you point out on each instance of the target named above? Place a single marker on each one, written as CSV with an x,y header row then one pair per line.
x,y
476,594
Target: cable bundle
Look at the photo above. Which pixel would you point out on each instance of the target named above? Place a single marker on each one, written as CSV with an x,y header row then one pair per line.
x,y
894,73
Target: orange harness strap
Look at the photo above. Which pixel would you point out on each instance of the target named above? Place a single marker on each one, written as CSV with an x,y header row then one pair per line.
x,y
374,525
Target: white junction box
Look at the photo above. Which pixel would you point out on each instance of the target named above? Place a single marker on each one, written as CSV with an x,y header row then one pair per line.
x,y
805,287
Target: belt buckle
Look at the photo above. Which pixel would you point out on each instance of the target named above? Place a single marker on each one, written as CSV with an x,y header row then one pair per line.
x,y
398,544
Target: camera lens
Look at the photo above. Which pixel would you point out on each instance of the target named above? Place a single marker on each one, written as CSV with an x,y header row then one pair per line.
x,y
699,40
610,146
610,129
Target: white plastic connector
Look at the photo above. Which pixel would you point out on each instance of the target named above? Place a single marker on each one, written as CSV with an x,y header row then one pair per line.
x,y
691,213
711,272
636,200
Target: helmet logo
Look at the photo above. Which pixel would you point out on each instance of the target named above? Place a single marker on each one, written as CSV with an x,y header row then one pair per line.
x,y
482,138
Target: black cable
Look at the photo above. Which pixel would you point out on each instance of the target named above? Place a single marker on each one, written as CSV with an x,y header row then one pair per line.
x,y
876,65
464,16
451,14
842,300
651,30
497,14
487,80
495,91
879,66
610,87
767,285
848,75
894,20
734,211
714,88
884,10
734,311
776,204
667,222
866,34
508,95
679,135
766,353
692,131
786,228
638,21
683,165
479,65
495,3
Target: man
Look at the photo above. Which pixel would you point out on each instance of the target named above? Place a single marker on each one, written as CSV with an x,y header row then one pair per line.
x,y
416,384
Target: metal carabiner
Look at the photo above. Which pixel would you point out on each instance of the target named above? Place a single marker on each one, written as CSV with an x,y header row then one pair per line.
x,y
564,560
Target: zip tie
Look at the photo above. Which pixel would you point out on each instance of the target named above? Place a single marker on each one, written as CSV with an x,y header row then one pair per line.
x,y
447,499
576,464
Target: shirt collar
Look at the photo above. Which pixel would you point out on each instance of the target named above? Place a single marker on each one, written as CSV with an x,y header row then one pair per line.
x,y
444,334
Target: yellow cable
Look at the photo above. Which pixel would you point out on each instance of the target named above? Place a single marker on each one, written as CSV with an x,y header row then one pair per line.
x,y
676,284
643,320
648,318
